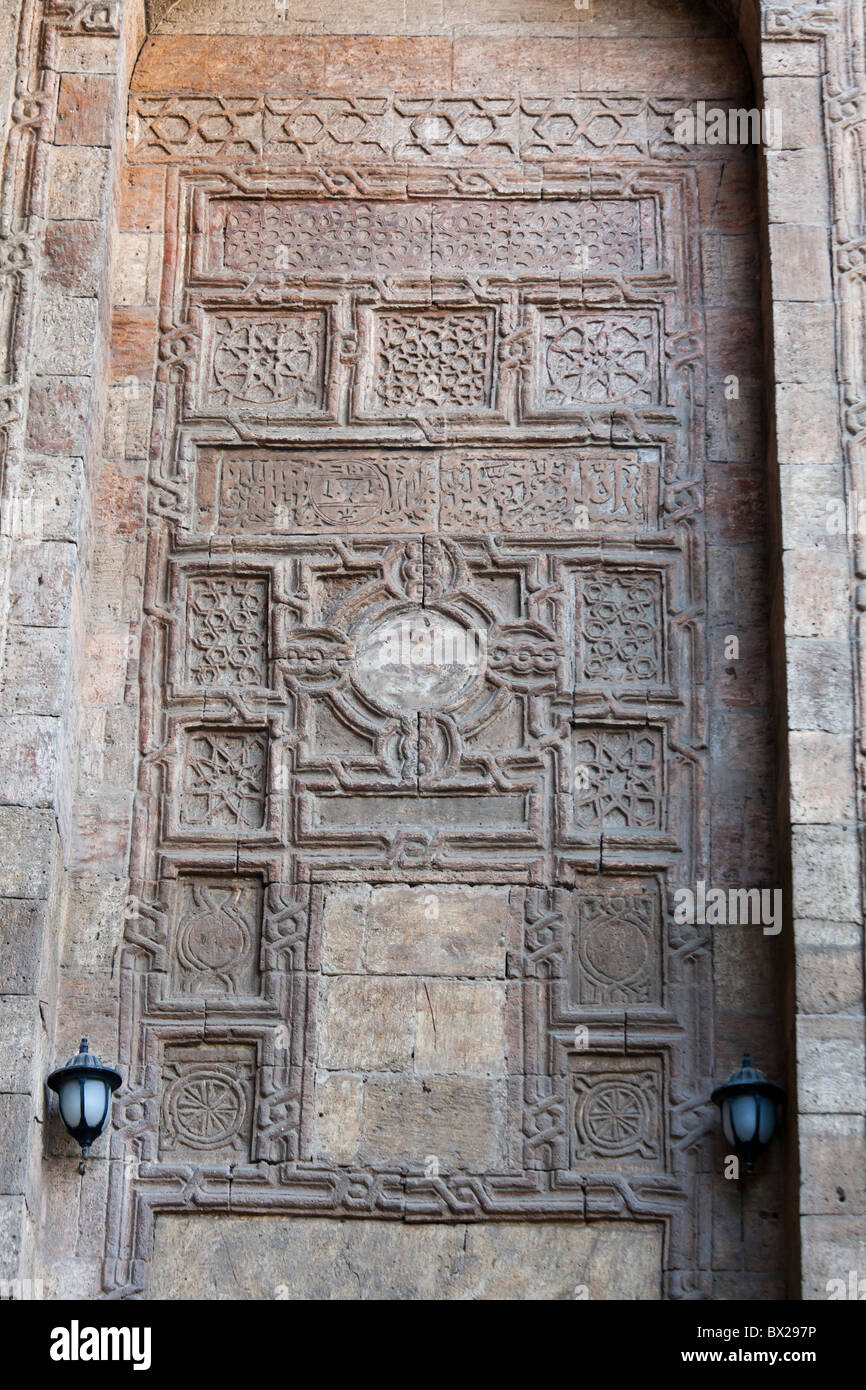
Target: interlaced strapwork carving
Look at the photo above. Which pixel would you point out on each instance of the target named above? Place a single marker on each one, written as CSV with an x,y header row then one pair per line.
x,y
595,358
621,627
226,631
426,517
224,780
442,361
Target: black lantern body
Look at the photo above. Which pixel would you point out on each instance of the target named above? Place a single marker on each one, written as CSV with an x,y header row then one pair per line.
x,y
750,1110
84,1089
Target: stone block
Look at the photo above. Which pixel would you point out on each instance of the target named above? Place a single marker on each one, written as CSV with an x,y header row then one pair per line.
x,y
817,593
65,336
40,583
736,504
16,1236
392,63
819,684
195,63
797,186
366,1023
832,1165
28,759
22,924
301,1258
73,255
791,59
803,342
396,929
34,671
822,777
57,415
460,1027
833,1250
86,53
797,106
16,1119
100,833
133,343
831,1065
825,865
26,843
807,423
142,198
136,269
829,979
93,921
459,1121
733,425
84,110
800,262
339,1117
105,656
733,344
77,181
21,1033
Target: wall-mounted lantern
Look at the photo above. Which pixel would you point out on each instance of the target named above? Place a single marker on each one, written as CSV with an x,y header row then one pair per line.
x,y
84,1089
750,1110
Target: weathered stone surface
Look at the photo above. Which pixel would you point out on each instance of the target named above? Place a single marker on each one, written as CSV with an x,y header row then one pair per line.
x,y
460,1027
430,929
307,1258
832,1165
367,1023
84,110
834,1246
76,182
459,1121
825,873
26,842
830,1064
22,923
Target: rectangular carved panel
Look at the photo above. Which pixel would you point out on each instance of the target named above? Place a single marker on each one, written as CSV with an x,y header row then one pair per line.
x,y
441,238
422,745
315,491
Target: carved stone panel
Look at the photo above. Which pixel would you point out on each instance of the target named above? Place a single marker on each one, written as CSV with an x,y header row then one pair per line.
x,y
422,751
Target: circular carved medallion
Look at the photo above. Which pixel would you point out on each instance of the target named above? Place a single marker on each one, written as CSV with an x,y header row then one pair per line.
x,y
206,1107
614,951
418,659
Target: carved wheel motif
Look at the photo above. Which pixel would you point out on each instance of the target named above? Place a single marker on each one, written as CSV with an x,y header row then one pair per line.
x,y
207,1107
614,1117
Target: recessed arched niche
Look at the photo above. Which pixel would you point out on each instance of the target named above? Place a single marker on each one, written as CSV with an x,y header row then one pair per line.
x,y
446,343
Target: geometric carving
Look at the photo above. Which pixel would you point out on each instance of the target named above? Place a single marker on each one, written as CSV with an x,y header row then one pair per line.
x,y
266,363
433,361
615,948
452,130
412,608
308,236
554,238
440,237
621,626
593,358
227,631
224,780
217,936
618,779
615,1113
207,1102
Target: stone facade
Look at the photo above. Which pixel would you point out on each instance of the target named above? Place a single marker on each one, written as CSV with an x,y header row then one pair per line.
x,y
398,422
